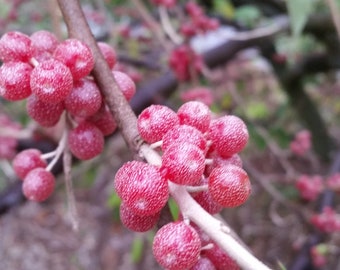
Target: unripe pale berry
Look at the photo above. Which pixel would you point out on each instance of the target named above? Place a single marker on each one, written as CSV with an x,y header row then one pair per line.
x,y
196,114
27,160
176,246
137,223
38,185
229,135
85,98
15,80
85,141
51,81
155,121
141,187
15,46
183,164
229,185
77,56
46,114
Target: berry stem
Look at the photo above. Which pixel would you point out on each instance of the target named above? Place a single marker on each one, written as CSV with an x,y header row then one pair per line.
x,y
58,151
167,26
192,189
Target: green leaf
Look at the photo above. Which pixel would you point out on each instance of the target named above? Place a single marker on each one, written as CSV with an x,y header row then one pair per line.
x,y
173,209
224,8
299,11
137,249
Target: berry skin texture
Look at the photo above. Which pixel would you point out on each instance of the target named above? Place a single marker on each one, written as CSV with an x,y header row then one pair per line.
x,y
15,80
229,135
51,81
141,186
15,46
220,258
203,264
135,222
46,114
126,84
84,100
38,185
109,53
229,185
155,121
77,56
43,42
184,134
183,164
104,120
85,141
176,246
196,114
26,161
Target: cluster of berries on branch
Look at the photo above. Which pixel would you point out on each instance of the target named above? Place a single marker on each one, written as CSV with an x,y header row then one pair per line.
x,y
54,78
199,152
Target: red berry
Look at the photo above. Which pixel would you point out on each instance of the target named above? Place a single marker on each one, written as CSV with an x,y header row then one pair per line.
x,y
196,114
229,135
46,114
327,221
51,81
220,258
141,187
309,187
43,42
208,204
333,182
218,161
109,53
183,164
155,121
15,46
85,141
38,185
229,185
201,94
104,120
203,264
85,98
15,80
137,223
27,160
176,246
77,56
126,84
184,134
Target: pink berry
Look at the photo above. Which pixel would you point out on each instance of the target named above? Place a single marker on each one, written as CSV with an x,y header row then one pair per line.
x,y
229,135
38,185
85,141
229,185
126,84
218,161
46,114
333,182
27,160
203,264
176,246
155,121
208,204
326,221
77,56
43,42
220,258
104,120
309,187
196,114
141,187
51,81
201,94
184,134
15,80
85,98
137,223
109,53
183,164
15,46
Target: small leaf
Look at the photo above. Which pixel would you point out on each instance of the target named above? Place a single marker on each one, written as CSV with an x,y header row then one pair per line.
x,y
137,249
299,11
173,209
224,8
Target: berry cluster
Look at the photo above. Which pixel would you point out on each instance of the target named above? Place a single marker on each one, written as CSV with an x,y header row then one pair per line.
x,y
197,151
54,78
327,221
302,143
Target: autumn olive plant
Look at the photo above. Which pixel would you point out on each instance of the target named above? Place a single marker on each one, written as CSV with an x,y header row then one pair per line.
x,y
190,154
